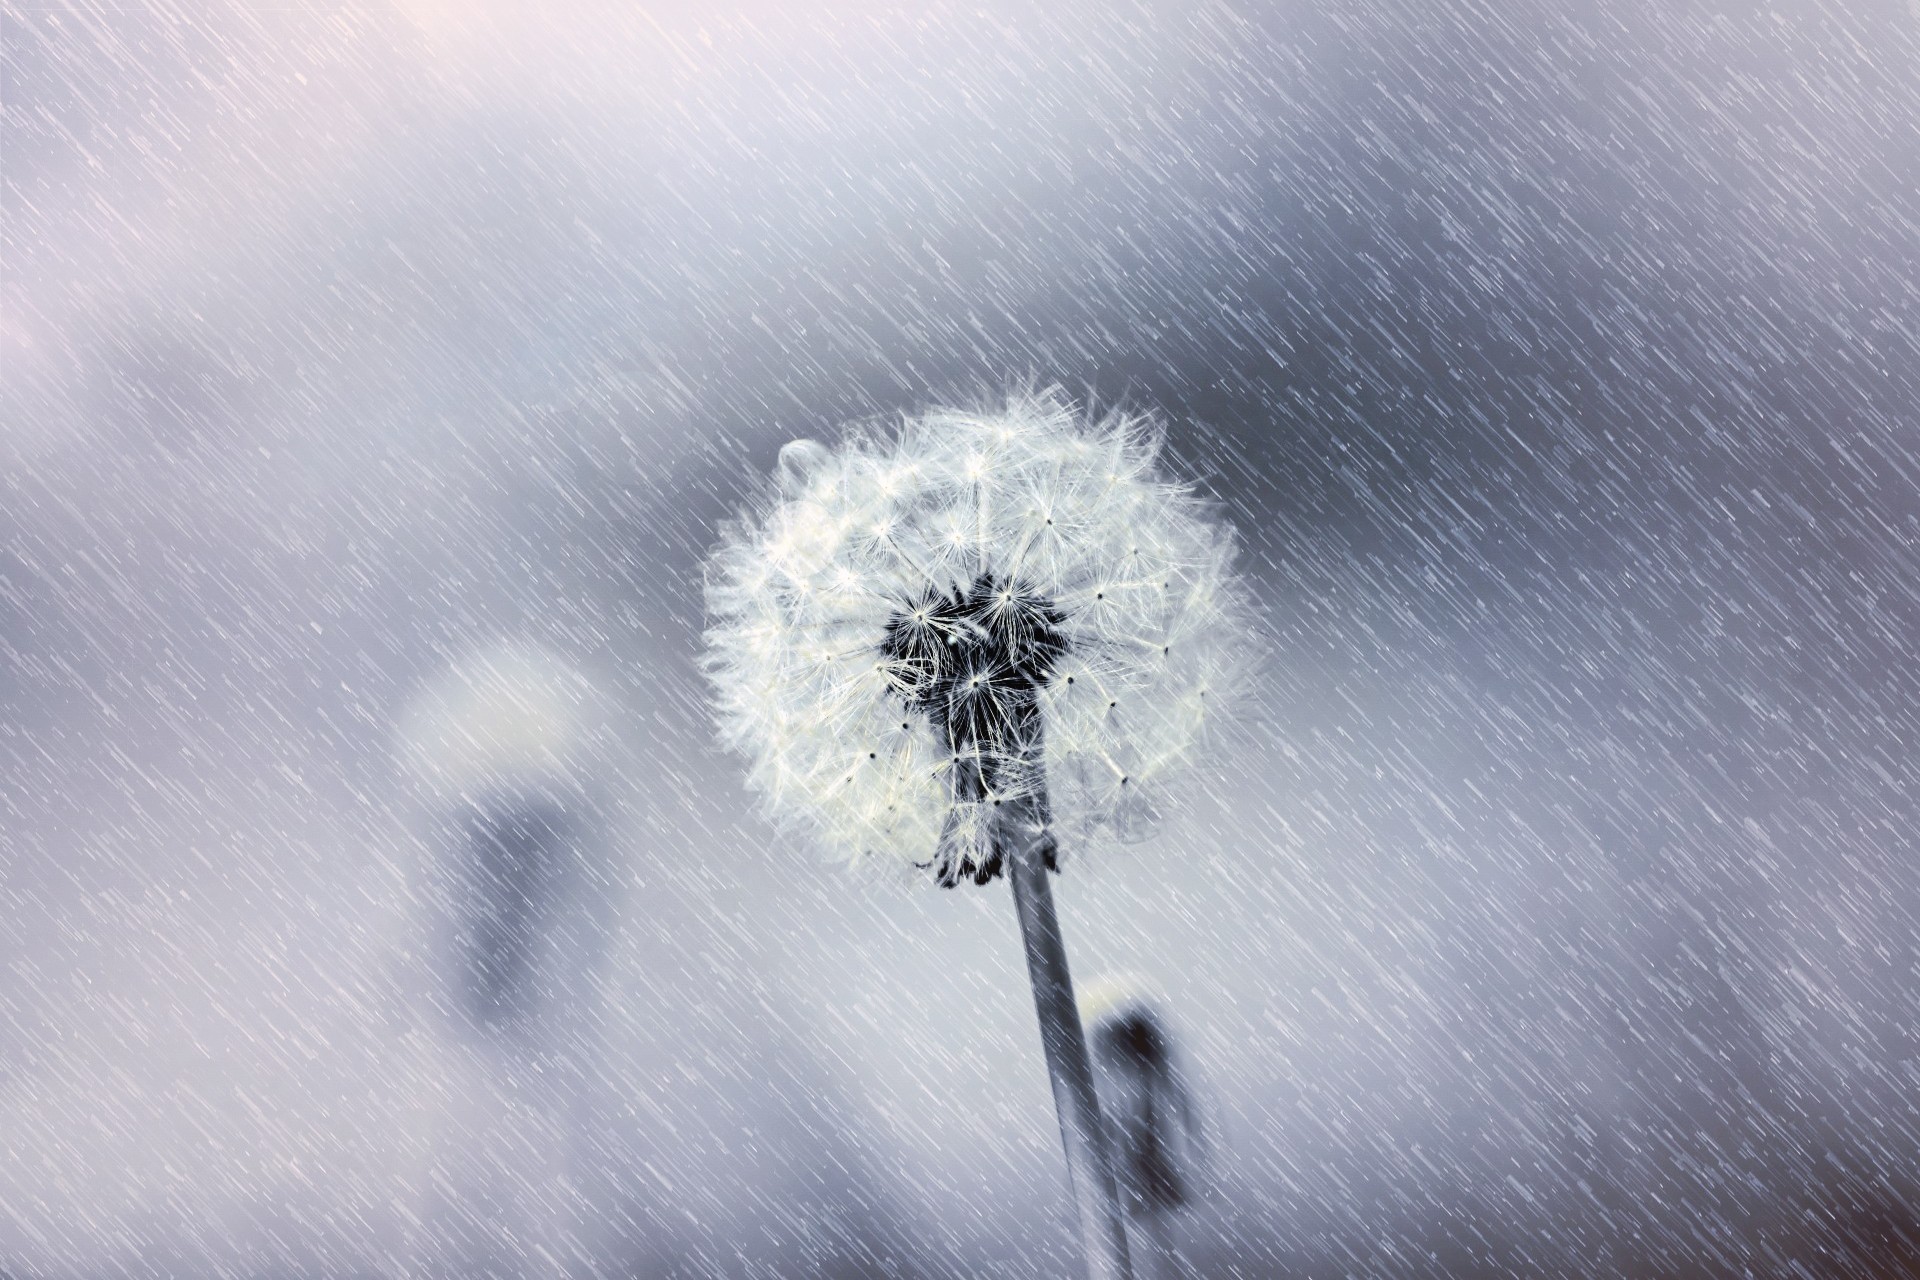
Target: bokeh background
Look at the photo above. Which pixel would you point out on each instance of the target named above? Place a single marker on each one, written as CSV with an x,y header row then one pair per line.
x,y
1556,360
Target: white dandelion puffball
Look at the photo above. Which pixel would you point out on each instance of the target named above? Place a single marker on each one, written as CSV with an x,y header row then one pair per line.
x,y
980,618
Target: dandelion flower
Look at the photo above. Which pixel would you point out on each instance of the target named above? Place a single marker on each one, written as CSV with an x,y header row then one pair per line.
x,y
920,632
954,643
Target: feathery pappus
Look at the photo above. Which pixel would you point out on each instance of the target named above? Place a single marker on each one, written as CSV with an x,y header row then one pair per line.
x,y
922,630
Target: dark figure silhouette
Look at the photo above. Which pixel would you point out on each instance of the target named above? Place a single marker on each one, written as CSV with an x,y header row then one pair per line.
x,y
517,856
1151,1120
1148,1110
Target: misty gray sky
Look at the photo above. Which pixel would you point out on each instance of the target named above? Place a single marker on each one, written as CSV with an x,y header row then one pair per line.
x,y
1557,363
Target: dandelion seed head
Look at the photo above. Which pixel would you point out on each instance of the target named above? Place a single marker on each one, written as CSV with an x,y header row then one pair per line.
x,y
918,633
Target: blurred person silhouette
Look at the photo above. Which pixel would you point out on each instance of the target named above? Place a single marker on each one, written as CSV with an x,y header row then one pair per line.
x,y
1155,1124
507,747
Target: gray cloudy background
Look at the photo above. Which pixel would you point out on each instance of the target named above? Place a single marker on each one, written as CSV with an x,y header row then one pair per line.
x,y
1557,362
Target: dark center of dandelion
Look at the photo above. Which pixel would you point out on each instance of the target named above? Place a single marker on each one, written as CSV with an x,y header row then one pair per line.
x,y
973,663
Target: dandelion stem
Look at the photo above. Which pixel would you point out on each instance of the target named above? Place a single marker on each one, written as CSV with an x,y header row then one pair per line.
x,y
1089,1164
